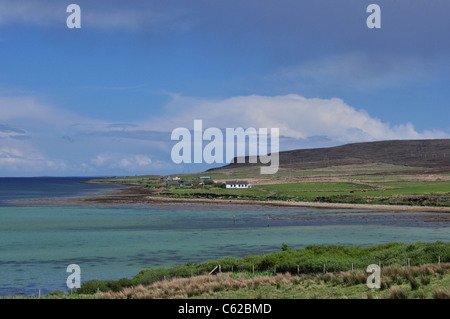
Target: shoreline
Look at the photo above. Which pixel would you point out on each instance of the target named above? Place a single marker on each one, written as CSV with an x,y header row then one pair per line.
x,y
133,189
137,195
376,207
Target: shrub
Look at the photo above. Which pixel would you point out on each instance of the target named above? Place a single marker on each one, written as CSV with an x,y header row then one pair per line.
x,y
92,286
56,293
397,293
125,282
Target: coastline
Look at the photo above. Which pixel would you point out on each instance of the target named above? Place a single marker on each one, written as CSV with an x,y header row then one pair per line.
x,y
376,207
137,195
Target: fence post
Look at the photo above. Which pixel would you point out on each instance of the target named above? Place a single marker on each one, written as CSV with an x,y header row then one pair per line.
x,y
274,269
439,260
352,266
298,270
324,268
253,269
211,272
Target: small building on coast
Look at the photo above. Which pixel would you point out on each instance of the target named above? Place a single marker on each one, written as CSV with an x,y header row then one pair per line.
x,y
237,184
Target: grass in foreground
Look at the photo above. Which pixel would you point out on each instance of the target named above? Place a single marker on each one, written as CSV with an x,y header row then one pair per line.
x,y
268,275
419,282
310,260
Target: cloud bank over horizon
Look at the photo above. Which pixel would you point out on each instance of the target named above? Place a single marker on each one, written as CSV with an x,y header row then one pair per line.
x,y
296,116
37,139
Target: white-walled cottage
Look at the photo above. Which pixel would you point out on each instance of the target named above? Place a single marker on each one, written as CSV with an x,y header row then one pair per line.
x,y
237,184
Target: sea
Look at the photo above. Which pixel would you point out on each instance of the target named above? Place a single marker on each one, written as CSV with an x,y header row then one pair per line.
x,y
39,240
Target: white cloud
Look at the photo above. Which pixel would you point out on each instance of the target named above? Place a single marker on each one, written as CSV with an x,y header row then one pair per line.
x,y
35,138
100,160
142,160
18,158
29,111
122,161
296,116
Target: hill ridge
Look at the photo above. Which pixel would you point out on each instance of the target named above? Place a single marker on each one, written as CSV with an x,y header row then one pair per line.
x,y
428,153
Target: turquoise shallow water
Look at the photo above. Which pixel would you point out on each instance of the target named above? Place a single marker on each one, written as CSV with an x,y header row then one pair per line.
x,y
38,243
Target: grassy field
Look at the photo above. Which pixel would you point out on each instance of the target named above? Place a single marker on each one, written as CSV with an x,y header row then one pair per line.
x,y
292,274
375,183
420,282
398,193
431,281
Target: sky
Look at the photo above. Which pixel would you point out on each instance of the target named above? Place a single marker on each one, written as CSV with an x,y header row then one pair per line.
x,y
104,99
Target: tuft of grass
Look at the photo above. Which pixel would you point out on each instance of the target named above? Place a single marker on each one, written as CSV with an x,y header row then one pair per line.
x,y
397,293
419,295
439,293
386,283
424,280
413,282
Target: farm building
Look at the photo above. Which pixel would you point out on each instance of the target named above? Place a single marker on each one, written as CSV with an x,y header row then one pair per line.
x,y
237,184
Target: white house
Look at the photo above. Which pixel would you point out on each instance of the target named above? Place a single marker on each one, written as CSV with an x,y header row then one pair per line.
x,y
237,184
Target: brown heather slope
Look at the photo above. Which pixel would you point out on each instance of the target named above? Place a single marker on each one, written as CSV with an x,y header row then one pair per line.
x,y
416,153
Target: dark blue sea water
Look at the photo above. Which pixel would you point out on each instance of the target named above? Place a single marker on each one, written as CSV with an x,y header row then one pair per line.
x,y
12,188
38,242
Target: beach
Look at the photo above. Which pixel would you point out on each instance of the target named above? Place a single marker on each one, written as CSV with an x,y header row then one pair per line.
x,y
305,204
130,195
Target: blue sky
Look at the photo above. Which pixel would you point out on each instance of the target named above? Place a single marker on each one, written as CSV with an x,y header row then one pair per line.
x,y
103,99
